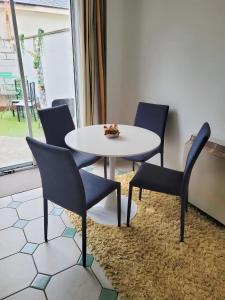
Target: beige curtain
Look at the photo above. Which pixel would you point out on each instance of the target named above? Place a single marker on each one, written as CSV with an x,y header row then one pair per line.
x,y
93,33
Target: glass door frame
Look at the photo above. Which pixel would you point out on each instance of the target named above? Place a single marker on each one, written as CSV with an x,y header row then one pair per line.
x,y
11,168
21,69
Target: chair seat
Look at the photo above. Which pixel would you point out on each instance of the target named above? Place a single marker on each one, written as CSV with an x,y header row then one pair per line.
x,y
145,156
84,159
96,187
155,178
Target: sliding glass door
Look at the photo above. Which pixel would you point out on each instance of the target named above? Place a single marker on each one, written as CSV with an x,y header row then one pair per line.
x,y
45,71
13,117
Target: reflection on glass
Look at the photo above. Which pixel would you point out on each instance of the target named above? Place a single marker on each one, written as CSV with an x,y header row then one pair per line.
x,y
45,41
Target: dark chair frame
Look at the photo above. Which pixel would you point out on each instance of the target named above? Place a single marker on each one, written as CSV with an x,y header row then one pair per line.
x,y
63,184
65,101
55,135
152,117
32,102
183,177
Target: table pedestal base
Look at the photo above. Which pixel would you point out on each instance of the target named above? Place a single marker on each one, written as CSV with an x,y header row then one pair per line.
x,y
104,214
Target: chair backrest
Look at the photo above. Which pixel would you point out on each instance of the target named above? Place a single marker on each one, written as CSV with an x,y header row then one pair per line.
x,y
61,180
196,148
153,117
56,123
65,101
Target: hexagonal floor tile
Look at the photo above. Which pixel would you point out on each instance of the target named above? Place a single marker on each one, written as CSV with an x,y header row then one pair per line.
x,y
32,209
107,294
89,260
16,273
5,201
21,223
78,240
69,232
57,211
28,293
76,282
8,217
99,272
41,281
35,229
66,219
56,255
28,195
14,204
12,240
29,248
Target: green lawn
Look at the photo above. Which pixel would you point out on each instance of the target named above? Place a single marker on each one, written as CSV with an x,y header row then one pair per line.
x,y
10,126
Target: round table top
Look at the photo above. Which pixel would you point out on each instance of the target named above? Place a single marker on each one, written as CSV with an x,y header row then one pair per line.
x,y
131,141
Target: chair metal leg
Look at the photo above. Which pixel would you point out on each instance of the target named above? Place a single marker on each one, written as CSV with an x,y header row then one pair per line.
x,y
186,201
105,167
129,204
133,166
119,205
84,239
162,159
46,219
182,218
18,113
140,193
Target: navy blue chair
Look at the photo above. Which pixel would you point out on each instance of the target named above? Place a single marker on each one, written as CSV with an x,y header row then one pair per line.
x,y
64,184
152,117
57,122
155,178
65,101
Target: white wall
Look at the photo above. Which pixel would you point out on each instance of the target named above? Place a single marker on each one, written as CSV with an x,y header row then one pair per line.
x,y
57,62
168,52
115,44
58,66
30,21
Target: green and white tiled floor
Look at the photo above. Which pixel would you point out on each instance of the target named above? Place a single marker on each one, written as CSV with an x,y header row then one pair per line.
x,y
32,269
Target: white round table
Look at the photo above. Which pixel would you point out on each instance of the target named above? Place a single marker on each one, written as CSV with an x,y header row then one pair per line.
x,y
131,141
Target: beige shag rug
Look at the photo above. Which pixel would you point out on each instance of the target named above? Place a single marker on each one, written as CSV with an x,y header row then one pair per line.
x,y
146,261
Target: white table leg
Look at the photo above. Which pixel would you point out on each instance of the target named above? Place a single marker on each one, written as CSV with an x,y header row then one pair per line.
x,y
112,168
110,202
105,212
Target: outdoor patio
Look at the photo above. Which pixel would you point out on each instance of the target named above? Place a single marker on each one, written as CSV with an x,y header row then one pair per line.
x,y
13,147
